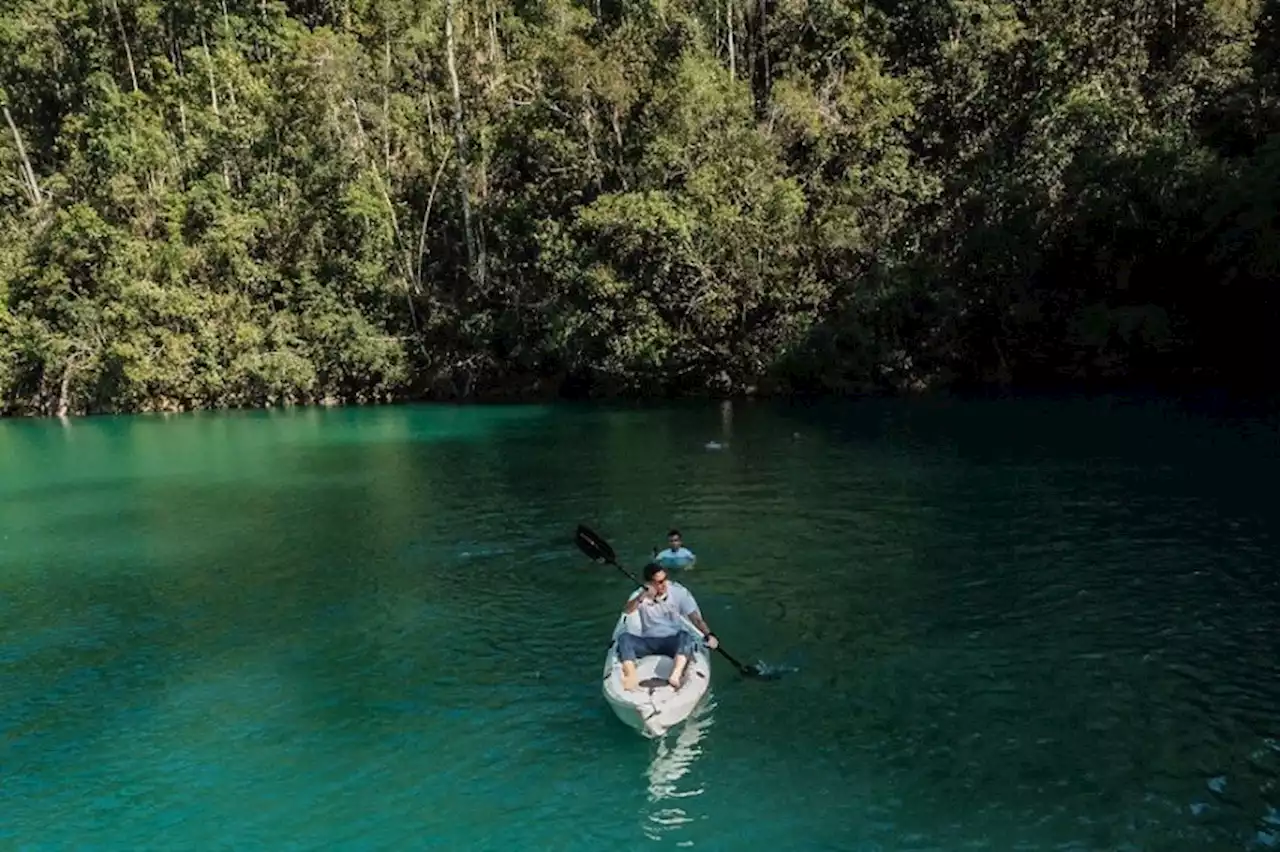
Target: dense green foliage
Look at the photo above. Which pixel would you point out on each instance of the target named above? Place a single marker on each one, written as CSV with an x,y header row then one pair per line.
x,y
256,202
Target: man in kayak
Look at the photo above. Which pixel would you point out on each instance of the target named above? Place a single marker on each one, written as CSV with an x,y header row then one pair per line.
x,y
663,606
676,555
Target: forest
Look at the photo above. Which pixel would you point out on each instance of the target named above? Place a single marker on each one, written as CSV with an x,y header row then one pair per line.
x,y
260,203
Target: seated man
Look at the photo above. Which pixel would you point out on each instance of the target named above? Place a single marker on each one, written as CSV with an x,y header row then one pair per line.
x,y
662,629
676,555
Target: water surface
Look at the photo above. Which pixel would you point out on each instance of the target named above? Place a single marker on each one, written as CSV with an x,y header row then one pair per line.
x,y
1025,625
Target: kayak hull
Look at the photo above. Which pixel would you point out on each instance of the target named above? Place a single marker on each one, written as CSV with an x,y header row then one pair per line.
x,y
654,707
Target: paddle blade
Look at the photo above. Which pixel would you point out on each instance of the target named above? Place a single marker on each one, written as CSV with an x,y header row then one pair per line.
x,y
758,670
764,671
594,546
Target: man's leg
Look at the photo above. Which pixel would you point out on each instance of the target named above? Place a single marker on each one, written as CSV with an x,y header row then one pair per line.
x,y
627,653
683,650
629,647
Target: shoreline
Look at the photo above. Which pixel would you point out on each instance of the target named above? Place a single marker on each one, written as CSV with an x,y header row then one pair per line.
x,y
1214,394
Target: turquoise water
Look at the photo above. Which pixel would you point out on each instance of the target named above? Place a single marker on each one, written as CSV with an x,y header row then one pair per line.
x,y
1017,625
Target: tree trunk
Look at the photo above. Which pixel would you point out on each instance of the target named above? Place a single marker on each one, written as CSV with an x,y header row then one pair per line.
x,y
386,106
124,39
213,95
426,217
213,85
28,173
231,36
63,405
766,82
475,258
733,53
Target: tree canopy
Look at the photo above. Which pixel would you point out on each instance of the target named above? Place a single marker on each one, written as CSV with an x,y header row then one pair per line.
x,y
259,202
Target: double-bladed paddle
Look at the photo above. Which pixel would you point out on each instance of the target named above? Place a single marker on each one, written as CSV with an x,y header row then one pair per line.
x,y
597,549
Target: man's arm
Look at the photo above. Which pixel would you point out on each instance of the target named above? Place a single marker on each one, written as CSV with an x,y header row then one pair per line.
x,y
696,618
689,609
636,600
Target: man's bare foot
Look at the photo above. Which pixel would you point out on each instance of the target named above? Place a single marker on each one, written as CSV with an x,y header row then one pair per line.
x,y
630,680
677,672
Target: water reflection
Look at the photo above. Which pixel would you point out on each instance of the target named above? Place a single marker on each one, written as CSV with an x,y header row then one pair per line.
x,y
674,756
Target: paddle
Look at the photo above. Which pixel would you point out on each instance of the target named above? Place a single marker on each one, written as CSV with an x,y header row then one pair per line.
x,y
598,549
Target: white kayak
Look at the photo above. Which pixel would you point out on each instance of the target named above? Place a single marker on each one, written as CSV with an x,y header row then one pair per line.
x,y
653,707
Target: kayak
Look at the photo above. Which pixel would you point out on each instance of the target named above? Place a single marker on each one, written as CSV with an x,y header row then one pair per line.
x,y
654,706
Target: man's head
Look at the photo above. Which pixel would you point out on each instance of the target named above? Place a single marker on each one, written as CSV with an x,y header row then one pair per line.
x,y
656,575
673,539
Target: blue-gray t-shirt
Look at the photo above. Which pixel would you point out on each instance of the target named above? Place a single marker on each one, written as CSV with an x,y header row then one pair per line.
x,y
675,558
662,617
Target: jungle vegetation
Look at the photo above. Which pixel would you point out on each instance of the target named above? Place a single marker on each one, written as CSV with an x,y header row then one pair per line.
x,y
255,202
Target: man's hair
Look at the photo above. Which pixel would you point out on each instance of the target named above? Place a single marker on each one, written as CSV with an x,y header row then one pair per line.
x,y
651,569
671,533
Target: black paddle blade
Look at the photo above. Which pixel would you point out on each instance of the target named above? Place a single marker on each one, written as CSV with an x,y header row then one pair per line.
x,y
758,671
594,546
764,671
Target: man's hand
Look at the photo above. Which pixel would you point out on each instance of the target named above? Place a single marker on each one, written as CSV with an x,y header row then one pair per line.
x,y
712,641
649,594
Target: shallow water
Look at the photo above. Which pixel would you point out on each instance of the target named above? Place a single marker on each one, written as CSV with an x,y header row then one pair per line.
x,y
1021,625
